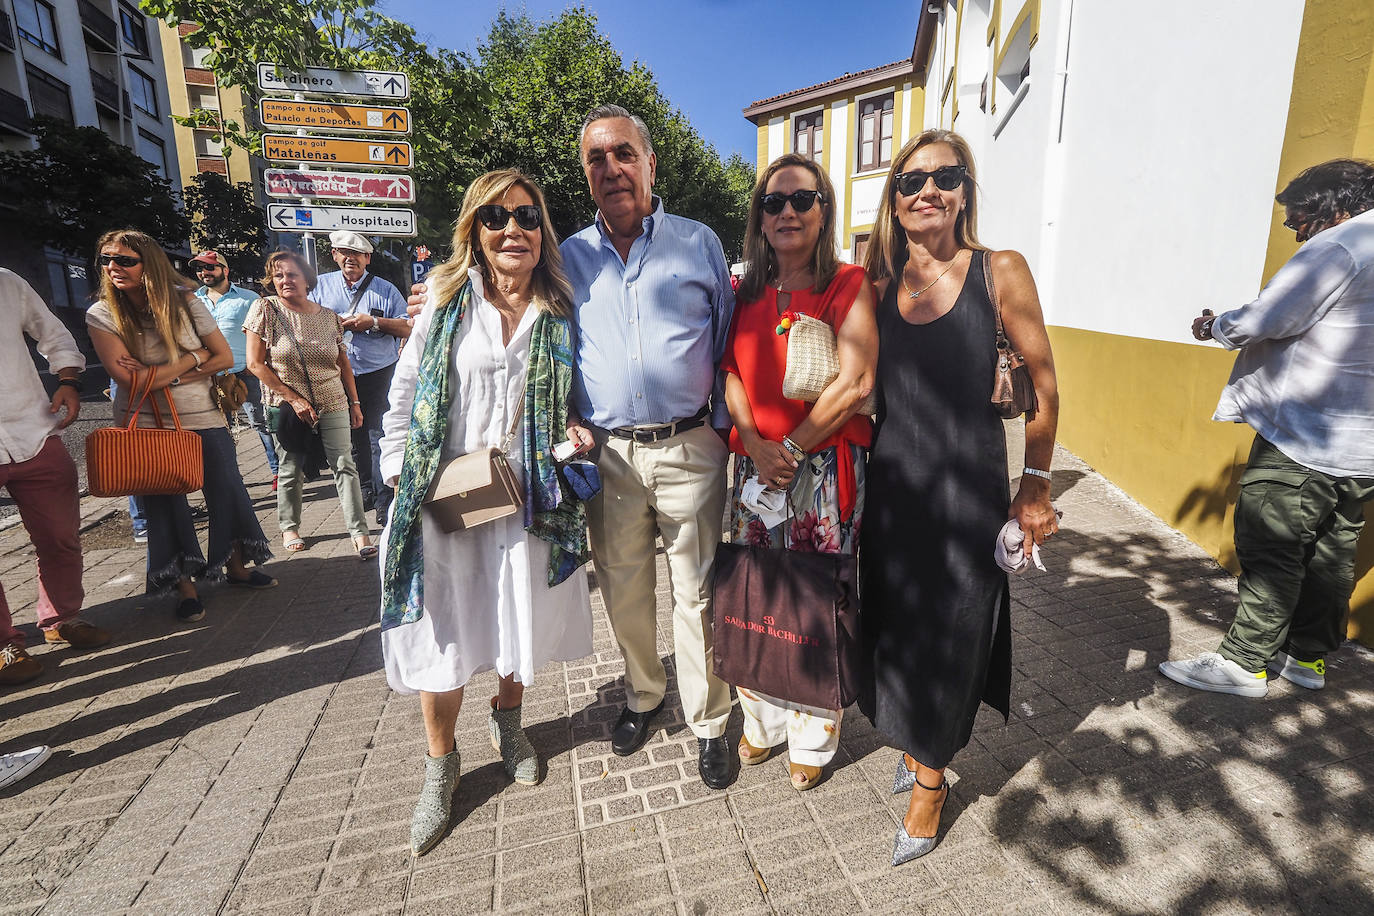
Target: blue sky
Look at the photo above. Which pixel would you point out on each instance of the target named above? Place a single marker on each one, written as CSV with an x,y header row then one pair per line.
x,y
712,58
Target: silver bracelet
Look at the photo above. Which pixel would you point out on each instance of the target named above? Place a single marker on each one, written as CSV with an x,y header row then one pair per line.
x,y
1036,472
196,356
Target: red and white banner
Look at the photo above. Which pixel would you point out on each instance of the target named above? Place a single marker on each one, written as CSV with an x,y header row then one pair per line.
x,y
338,185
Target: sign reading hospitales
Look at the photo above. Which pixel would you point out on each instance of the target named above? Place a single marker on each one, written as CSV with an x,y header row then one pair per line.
x,y
391,154
333,116
366,220
339,185
378,84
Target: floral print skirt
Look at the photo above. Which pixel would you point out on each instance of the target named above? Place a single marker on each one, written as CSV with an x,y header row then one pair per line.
x,y
814,524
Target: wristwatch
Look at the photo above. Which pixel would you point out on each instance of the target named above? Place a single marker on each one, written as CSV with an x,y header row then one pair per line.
x,y
795,450
376,323
175,382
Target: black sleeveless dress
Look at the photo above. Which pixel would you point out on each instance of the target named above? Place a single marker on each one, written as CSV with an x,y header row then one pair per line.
x,y
937,634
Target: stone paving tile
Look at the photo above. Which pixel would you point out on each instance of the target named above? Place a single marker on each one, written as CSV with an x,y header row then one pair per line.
x,y
257,762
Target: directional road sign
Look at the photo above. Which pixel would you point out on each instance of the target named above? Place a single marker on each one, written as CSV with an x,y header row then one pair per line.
x,y
339,185
333,116
391,154
376,84
367,220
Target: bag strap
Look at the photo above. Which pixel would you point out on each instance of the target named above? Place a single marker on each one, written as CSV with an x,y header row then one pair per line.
x,y
133,409
515,420
358,293
1003,342
291,335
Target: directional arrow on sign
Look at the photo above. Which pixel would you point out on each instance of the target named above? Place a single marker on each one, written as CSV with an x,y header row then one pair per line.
x,y
395,120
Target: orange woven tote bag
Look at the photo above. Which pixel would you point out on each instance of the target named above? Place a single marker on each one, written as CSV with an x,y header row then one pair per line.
x,y
133,461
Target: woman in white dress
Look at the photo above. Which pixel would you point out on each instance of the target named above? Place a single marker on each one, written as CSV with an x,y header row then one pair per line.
x,y
510,594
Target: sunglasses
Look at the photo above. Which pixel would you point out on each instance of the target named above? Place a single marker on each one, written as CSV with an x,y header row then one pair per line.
x,y
801,201
123,260
495,216
207,268
947,178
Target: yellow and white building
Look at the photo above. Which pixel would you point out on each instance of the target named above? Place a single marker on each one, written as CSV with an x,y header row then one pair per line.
x,y
1132,153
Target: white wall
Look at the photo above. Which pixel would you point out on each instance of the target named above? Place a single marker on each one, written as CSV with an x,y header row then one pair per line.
x,y
1158,198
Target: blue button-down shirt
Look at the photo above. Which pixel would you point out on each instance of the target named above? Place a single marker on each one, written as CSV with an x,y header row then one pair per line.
x,y
370,350
230,311
651,330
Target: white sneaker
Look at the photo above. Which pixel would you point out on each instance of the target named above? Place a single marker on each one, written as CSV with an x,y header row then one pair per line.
x,y
14,767
1209,671
1311,675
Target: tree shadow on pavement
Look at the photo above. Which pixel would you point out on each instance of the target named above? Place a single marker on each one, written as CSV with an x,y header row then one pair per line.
x,y
1136,794
160,679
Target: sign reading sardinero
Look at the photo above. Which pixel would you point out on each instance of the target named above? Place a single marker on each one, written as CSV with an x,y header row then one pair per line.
x,y
367,220
377,84
339,185
333,116
382,153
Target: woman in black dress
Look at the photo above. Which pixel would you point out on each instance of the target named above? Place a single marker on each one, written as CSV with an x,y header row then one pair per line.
x,y
935,603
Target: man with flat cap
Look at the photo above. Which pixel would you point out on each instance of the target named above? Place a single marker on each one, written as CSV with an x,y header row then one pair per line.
x,y
375,323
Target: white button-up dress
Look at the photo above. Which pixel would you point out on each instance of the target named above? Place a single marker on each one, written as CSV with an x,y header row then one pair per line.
x,y
487,600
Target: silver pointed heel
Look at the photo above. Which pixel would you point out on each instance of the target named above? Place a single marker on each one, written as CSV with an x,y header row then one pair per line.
x,y
906,847
433,810
904,779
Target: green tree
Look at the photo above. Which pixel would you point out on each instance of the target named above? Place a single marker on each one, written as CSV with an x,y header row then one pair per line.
x,y
544,78
446,97
77,184
226,218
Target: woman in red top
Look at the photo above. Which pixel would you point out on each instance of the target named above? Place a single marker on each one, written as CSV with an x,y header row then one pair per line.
x,y
813,452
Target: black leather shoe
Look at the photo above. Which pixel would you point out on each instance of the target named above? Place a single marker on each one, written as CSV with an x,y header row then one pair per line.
x,y
632,730
713,762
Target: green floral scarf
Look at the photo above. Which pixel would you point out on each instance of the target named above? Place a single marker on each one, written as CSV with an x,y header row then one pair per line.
x,y
552,512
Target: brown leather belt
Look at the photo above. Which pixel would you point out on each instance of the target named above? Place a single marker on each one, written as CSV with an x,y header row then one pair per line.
x,y
647,434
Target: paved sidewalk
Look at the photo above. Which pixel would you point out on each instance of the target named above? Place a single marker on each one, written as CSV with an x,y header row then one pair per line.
x,y
257,761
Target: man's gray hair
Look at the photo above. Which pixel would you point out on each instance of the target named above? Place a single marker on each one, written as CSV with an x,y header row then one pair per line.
x,y
601,112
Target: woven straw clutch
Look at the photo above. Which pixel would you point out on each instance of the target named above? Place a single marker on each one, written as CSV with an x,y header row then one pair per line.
x,y
813,362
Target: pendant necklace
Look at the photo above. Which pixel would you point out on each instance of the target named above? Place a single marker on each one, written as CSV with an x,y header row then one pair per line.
x,y
912,294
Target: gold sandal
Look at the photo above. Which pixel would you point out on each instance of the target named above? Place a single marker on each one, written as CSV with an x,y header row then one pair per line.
x,y
755,755
810,776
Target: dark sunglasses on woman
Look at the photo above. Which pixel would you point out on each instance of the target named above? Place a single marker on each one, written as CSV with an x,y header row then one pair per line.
x,y
801,201
947,178
495,216
123,260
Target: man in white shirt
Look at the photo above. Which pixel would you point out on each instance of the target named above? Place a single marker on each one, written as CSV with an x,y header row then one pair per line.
x,y
40,475
1304,380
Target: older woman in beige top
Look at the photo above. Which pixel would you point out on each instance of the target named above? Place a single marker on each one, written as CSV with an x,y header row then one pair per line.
x,y
296,349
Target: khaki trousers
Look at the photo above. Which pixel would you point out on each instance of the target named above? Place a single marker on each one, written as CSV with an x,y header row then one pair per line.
x,y
674,488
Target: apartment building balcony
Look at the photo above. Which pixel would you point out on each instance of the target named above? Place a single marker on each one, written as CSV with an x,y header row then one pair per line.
x,y
199,76
106,92
6,32
98,24
14,114
212,164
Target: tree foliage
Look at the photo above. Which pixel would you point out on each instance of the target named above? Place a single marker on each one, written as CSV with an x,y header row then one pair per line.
x,y
78,184
446,97
544,78
226,218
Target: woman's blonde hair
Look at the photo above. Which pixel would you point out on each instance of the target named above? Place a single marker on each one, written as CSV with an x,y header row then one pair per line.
x,y
760,263
887,248
166,290
295,257
552,291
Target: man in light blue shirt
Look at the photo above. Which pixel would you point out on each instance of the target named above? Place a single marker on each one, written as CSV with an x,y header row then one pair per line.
x,y
375,323
652,297
229,304
1304,379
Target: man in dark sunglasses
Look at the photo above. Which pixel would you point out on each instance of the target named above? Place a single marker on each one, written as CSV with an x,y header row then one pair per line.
x,y
1304,379
653,298
375,322
229,304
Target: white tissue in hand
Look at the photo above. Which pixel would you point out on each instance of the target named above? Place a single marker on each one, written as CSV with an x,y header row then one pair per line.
x,y
1010,550
770,505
